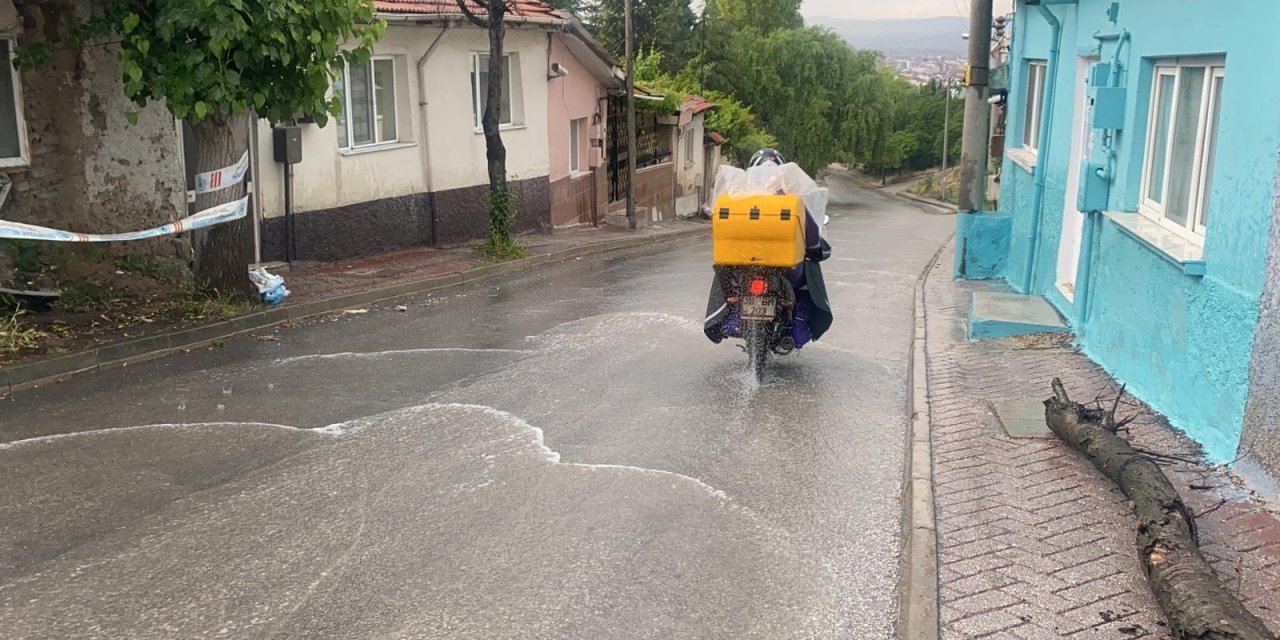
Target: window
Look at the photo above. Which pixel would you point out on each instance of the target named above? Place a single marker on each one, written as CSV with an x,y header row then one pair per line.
x,y
689,148
576,129
12,128
1182,139
480,90
1031,116
368,93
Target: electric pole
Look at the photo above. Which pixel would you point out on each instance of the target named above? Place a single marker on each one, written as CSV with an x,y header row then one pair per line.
x,y
946,130
977,114
631,122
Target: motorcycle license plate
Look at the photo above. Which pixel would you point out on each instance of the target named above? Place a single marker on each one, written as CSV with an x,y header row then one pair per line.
x,y
754,308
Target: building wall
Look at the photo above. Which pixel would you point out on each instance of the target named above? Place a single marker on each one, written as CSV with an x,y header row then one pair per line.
x,y
689,168
89,169
1261,442
378,199
579,96
1181,342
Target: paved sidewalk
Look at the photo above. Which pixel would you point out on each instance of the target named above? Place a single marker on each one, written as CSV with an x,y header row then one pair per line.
x,y
1033,542
321,280
321,288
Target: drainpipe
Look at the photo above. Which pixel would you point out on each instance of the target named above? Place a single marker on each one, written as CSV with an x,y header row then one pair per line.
x,y
426,131
1042,163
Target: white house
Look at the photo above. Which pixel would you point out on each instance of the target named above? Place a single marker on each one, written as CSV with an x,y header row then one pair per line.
x,y
405,165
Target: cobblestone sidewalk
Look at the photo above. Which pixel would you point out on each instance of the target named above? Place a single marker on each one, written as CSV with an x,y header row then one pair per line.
x,y
1034,543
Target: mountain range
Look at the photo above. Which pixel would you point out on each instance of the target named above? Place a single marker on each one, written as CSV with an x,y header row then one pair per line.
x,y
924,36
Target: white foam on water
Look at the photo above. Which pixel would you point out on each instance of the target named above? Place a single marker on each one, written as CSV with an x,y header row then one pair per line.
x,y
354,427
393,352
539,440
150,427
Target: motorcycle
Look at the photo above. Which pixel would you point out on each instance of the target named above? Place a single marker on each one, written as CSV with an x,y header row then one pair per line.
x,y
764,304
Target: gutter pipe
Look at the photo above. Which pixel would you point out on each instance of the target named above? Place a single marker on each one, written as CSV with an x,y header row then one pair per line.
x,y
1046,128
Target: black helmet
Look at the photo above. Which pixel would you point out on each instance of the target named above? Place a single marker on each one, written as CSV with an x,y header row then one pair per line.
x,y
766,157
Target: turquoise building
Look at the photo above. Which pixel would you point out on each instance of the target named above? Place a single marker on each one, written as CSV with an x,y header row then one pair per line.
x,y
1138,193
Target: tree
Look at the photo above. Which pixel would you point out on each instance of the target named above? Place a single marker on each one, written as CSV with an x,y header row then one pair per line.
x,y
761,17
502,203
665,26
216,62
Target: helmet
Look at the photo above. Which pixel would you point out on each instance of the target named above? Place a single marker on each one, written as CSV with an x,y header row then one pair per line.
x,y
765,157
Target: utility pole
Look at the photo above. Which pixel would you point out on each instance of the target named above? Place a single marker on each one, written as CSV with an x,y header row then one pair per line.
x,y
631,123
977,114
946,131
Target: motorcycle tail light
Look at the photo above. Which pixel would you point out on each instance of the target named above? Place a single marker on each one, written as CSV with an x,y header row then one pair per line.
x,y
759,287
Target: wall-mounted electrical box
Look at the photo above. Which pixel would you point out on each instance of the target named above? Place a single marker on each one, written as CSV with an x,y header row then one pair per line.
x,y
288,144
1095,190
1108,108
1099,74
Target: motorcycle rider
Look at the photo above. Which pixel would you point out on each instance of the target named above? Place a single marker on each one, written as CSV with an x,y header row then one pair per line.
x,y
807,310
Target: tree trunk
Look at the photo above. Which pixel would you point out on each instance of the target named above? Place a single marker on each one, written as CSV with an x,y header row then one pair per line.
x,y
1195,604
225,250
496,151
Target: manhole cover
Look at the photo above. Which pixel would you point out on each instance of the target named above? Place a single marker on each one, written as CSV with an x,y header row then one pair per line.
x,y
1023,419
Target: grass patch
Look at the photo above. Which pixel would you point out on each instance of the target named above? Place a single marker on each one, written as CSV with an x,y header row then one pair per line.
x,y
15,335
82,297
150,267
495,252
211,304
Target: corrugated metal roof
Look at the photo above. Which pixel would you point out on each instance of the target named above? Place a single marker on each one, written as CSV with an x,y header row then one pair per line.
x,y
520,8
698,104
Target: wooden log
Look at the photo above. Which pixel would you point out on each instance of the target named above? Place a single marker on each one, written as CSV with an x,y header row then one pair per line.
x,y
1195,603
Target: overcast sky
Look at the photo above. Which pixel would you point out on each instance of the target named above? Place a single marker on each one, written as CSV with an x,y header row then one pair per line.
x,y
893,8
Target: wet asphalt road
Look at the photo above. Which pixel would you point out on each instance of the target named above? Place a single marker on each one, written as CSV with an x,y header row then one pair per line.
x,y
555,455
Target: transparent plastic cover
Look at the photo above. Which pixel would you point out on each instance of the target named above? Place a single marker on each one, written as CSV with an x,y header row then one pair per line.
x,y
787,179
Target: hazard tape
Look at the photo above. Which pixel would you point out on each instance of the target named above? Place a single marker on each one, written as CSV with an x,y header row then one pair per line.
x,y
207,218
212,181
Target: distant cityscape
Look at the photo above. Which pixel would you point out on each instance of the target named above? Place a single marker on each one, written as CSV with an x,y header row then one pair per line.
x,y
920,69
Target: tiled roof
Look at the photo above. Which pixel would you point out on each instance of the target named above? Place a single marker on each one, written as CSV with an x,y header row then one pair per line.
x,y
698,104
520,8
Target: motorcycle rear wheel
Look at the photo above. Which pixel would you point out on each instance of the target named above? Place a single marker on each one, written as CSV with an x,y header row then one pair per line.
x,y
757,337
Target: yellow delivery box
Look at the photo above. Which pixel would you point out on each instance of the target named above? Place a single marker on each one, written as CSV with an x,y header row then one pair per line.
x,y
758,231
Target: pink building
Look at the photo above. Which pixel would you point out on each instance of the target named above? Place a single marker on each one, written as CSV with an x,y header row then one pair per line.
x,y
582,76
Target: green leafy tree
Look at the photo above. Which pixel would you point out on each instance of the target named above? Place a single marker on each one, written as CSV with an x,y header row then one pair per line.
x,y
761,17
217,63
665,26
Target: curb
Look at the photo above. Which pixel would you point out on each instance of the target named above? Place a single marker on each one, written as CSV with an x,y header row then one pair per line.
x,y
947,206
918,616
121,354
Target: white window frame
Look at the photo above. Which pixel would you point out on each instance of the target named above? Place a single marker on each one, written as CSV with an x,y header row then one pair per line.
x,y
1194,229
476,89
690,146
1035,93
349,144
23,159
576,131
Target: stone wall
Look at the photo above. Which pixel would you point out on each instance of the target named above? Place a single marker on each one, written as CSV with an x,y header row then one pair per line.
x,y
90,170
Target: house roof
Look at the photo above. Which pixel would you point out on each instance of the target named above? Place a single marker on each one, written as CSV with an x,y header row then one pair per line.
x,y
588,51
716,137
698,104
528,9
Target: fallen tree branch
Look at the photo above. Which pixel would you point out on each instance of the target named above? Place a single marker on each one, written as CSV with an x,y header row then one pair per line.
x,y
1194,601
